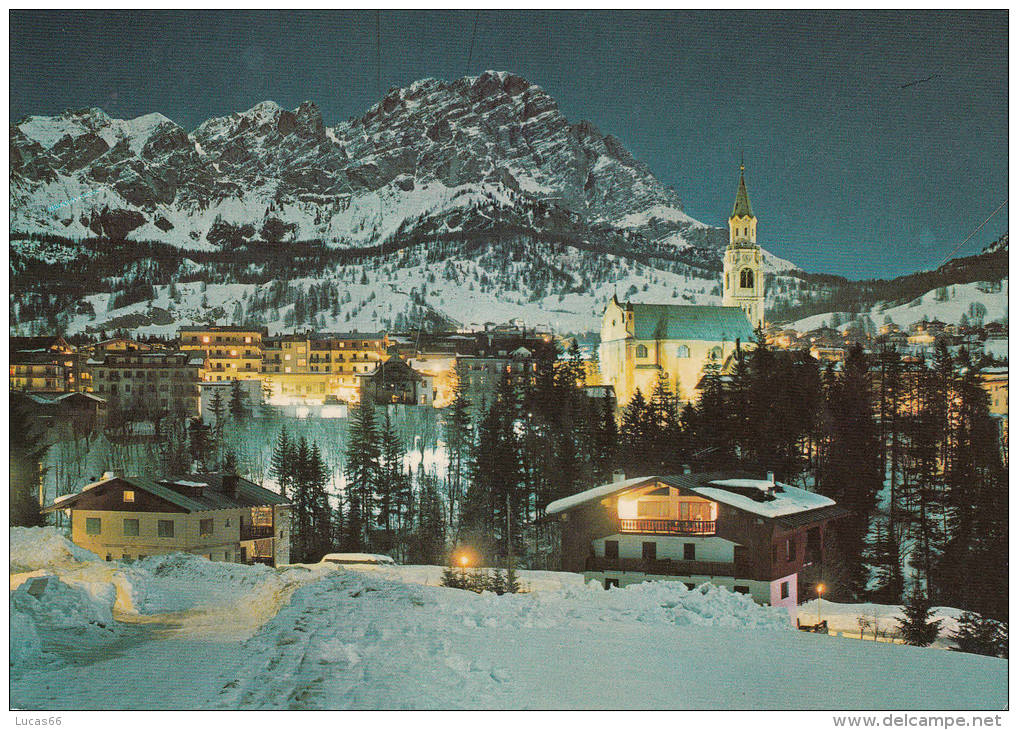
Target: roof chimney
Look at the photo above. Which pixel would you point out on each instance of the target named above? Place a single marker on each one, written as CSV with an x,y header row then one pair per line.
x,y
618,476
230,485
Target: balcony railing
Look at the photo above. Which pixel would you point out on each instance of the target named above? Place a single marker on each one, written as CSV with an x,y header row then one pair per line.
x,y
254,532
666,567
669,527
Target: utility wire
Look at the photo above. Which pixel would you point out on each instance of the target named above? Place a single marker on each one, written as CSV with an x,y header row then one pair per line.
x,y
473,36
947,258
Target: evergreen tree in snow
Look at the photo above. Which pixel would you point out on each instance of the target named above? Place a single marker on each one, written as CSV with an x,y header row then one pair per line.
x,y
362,472
917,627
979,635
238,404
281,467
27,450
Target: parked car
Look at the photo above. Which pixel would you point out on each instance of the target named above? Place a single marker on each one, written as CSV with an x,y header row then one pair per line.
x,y
358,559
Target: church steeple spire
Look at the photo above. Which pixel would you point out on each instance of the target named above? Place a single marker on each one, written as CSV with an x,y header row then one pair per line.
x,y
743,284
742,222
742,206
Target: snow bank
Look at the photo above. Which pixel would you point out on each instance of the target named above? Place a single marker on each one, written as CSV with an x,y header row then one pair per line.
x,y
34,548
182,581
46,609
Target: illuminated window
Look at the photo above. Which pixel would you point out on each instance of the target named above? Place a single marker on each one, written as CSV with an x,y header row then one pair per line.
x,y
247,340
286,369
233,353
128,495
286,356
205,339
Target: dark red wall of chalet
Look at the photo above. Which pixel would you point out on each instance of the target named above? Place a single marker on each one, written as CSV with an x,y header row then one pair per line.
x,y
756,534
583,525
110,496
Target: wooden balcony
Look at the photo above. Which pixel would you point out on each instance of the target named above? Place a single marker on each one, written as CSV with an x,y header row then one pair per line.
x,y
669,527
255,532
666,567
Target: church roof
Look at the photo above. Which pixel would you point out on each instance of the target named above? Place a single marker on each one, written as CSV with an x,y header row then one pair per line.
x,y
742,206
690,322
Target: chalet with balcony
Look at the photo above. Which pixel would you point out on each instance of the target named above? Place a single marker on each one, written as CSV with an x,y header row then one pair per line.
x,y
735,529
218,515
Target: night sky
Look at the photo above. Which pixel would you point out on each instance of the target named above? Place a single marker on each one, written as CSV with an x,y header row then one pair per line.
x,y
848,172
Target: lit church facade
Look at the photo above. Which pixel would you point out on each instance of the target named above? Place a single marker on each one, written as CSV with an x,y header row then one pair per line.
x,y
638,341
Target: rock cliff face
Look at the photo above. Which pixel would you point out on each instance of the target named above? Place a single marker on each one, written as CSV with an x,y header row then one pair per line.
x,y
422,154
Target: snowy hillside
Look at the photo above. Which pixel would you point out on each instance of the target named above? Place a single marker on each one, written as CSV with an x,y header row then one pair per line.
x,y
326,637
977,302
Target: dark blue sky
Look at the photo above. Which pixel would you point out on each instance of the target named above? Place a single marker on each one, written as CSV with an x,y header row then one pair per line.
x,y
848,172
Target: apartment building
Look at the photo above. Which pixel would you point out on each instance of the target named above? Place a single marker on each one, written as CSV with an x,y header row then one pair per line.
x,y
233,352
166,380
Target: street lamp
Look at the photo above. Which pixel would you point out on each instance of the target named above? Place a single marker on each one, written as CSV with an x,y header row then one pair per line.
x,y
820,593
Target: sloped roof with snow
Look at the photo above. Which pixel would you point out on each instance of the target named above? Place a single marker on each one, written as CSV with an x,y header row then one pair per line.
x,y
212,495
735,489
592,495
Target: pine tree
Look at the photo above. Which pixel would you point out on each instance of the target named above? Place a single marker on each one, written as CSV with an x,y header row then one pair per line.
x,y
218,407
917,627
392,487
27,451
979,635
200,443
637,434
362,471
302,499
281,467
493,503
850,474
456,427
606,439
321,538
238,406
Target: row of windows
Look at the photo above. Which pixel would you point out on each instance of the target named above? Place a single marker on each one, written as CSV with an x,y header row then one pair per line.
x,y
178,389
682,351
141,374
164,528
94,526
611,550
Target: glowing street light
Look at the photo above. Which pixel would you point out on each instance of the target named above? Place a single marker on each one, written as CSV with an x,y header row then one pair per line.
x,y
464,561
820,593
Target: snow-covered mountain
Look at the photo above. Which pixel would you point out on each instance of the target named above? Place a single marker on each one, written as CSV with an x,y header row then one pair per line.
x,y
274,175
464,202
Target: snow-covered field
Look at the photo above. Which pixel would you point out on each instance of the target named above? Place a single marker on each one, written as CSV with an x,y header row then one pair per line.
x,y
868,620
180,632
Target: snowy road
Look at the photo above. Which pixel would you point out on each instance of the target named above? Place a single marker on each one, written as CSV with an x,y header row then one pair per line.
x,y
202,635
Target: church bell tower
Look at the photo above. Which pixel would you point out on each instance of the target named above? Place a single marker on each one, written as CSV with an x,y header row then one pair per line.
x,y
743,285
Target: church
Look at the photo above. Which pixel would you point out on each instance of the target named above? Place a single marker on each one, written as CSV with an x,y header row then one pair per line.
x,y
640,340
